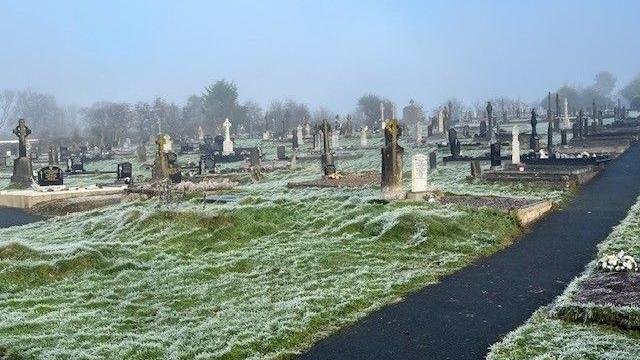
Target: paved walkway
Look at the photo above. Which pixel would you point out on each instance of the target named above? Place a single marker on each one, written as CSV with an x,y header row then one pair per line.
x,y
12,216
460,317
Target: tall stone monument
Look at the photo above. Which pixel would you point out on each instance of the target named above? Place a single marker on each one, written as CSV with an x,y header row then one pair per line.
x,y
165,164
392,160
326,158
227,145
566,124
534,141
490,132
22,168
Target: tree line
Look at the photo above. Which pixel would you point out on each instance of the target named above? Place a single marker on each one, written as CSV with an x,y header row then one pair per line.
x,y
108,122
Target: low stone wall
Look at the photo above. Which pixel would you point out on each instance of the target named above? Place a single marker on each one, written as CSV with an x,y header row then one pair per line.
x,y
26,199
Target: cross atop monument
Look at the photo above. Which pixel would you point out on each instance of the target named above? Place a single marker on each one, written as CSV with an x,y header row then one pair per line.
x,y
22,131
227,125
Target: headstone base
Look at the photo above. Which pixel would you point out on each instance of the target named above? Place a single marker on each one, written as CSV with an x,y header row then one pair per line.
x,y
393,194
416,196
22,171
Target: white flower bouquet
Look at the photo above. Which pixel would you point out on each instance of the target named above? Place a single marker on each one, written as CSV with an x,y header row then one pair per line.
x,y
618,262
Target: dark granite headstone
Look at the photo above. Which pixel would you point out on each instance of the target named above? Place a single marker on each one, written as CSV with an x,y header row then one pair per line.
x,y
489,134
430,130
75,163
433,160
125,172
454,143
294,139
50,176
495,154
207,164
563,137
281,152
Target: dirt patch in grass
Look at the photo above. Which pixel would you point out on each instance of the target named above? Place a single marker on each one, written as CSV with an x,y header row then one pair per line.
x,y
611,288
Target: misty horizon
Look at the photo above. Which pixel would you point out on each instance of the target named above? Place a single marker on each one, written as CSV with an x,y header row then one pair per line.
x,y
319,54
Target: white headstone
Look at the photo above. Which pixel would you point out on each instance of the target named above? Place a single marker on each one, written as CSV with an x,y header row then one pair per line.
x,y
383,125
335,139
227,144
299,135
200,133
515,145
418,132
363,136
440,121
266,135
565,117
419,170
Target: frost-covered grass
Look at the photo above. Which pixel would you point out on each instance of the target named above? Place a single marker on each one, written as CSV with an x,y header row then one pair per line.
x,y
251,280
545,337
568,329
264,277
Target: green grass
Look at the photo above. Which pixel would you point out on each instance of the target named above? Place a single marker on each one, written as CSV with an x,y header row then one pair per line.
x,y
255,280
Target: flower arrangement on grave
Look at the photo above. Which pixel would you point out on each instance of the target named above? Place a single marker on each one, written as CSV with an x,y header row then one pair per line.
x,y
618,262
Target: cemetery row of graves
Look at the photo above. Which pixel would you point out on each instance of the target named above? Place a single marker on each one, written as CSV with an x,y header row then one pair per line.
x,y
223,247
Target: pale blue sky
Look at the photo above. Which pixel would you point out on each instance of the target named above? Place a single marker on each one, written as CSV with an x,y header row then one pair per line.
x,y
319,52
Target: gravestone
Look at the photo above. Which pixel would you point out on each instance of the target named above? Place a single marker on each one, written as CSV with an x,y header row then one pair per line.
x,y
363,136
483,129
75,164
466,131
141,152
165,164
254,157
392,160
566,124
433,160
550,139
125,172
534,141
207,164
496,160
490,133
200,133
476,170
454,143
22,168
50,176
335,139
419,171
326,159
281,152
294,140
299,135
515,145
575,130
563,137
418,133
430,130
227,145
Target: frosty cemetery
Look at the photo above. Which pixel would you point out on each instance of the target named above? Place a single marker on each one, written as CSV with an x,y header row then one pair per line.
x,y
331,238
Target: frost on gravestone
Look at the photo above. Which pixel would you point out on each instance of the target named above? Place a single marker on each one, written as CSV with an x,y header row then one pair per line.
x,y
419,170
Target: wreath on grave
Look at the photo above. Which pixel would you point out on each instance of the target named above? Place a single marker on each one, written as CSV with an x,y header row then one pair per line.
x,y
618,262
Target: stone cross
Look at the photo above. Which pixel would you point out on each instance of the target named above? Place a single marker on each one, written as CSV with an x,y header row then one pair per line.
x,y
515,145
392,160
22,131
227,145
419,170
